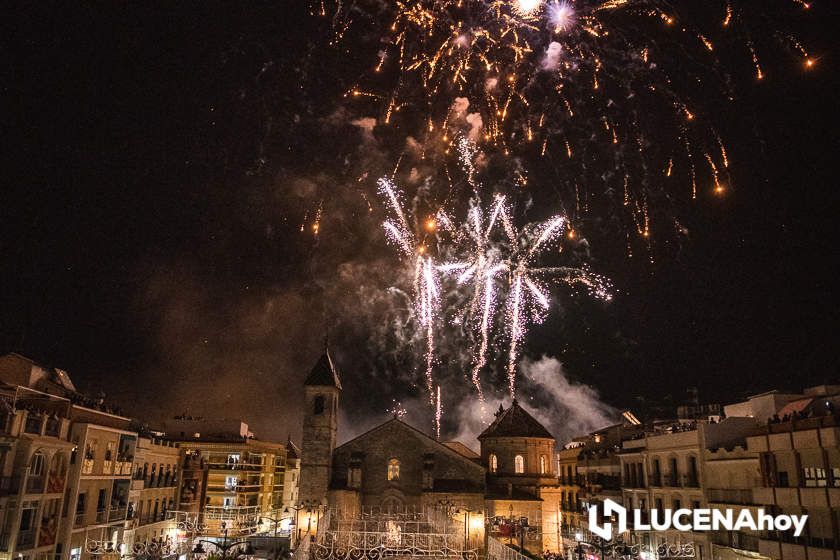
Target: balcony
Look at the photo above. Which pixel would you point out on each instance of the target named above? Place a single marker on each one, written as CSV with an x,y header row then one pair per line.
x,y
35,484
730,496
87,466
79,520
107,467
8,485
101,515
25,540
117,513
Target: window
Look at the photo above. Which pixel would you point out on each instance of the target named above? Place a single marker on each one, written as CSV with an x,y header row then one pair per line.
x,y
519,464
815,477
228,502
493,462
835,476
319,405
394,469
542,464
232,459
36,467
230,482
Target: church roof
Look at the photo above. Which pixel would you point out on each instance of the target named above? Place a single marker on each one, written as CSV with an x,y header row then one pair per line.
x,y
515,422
324,373
462,449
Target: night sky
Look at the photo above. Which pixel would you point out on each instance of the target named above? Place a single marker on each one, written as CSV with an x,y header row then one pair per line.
x,y
157,164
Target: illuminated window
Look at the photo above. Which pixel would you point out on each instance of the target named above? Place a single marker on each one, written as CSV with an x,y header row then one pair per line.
x,y
494,463
519,464
543,464
394,469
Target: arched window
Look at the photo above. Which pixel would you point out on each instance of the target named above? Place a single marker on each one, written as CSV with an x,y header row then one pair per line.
x,y
543,464
394,469
519,464
493,462
319,405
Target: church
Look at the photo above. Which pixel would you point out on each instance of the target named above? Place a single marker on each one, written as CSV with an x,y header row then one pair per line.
x,y
510,490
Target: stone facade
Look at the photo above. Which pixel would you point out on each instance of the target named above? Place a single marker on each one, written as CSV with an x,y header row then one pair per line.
x,y
320,426
397,466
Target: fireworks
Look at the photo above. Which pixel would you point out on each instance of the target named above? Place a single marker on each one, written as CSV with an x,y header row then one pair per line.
x,y
575,82
495,250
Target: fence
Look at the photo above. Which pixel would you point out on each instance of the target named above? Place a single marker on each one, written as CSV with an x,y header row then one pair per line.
x,y
498,551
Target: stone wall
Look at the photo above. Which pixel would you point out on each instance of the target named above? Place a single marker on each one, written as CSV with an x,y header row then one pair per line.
x,y
445,470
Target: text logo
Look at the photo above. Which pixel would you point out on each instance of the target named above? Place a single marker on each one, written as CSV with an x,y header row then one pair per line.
x,y
683,519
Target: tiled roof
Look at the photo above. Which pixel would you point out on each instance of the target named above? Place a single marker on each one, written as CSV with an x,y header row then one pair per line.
x,y
515,422
324,373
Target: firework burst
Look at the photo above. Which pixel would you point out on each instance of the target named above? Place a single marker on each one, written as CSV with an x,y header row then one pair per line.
x,y
586,85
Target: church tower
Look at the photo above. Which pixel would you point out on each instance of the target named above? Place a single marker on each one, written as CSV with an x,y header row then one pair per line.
x,y
320,424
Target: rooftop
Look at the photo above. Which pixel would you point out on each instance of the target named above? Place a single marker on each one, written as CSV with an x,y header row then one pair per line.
x,y
515,422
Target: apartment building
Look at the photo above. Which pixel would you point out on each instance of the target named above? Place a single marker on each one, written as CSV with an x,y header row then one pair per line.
x,y
34,458
101,467
665,470
799,461
244,478
153,492
729,476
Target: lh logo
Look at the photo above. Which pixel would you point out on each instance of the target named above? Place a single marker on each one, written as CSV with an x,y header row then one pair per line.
x,y
610,508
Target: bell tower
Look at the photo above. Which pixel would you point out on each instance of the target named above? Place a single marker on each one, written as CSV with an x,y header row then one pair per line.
x,y
320,425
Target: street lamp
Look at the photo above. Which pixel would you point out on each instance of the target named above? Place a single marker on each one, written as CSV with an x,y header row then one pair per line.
x,y
467,511
275,522
226,550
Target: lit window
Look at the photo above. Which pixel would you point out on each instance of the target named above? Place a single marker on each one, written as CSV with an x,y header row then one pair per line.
x,y
36,466
542,464
519,464
394,469
494,463
815,476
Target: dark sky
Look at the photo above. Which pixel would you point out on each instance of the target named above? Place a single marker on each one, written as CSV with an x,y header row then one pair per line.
x,y
156,164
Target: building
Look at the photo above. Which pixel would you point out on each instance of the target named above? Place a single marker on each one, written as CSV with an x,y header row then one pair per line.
x,y
94,503
511,488
34,459
153,492
799,462
230,477
291,486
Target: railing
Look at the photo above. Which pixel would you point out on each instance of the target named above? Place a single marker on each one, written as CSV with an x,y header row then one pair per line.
x,y
79,520
100,516
499,551
117,514
344,545
26,539
35,484
302,550
8,485
730,496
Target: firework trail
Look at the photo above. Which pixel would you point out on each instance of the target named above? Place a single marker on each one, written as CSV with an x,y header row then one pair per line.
x,y
572,82
426,290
